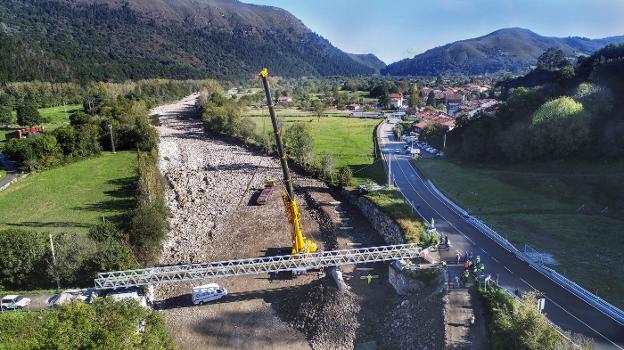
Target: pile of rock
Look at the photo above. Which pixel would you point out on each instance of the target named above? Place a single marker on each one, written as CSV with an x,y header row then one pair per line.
x,y
327,317
416,324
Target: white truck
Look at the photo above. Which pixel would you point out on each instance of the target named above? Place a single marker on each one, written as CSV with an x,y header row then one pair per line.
x,y
208,292
13,302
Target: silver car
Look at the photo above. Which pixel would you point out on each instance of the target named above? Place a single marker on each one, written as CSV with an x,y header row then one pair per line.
x,y
13,302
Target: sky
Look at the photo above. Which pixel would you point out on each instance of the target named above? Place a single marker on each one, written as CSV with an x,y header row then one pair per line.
x,y
399,29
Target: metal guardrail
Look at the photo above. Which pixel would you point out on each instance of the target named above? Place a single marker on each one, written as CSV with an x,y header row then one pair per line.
x,y
240,267
571,286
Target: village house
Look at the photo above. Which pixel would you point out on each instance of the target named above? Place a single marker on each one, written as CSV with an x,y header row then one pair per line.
x,y
396,101
284,100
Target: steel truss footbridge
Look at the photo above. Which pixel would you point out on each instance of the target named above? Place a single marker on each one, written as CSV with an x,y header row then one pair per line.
x,y
253,266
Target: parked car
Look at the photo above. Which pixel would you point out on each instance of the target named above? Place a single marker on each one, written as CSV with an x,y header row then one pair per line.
x,y
13,302
208,292
397,151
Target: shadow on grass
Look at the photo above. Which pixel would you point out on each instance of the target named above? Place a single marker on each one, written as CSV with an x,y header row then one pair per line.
x,y
40,224
374,172
121,199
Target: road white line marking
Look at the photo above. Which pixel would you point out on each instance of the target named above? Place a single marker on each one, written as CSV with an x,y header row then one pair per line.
x,y
506,268
583,322
496,260
576,318
527,283
483,250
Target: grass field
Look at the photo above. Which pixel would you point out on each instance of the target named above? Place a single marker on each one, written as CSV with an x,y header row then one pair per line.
x,y
71,197
349,140
292,112
57,116
574,211
2,173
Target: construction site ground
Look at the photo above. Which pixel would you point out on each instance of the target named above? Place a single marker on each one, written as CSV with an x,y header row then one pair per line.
x,y
213,185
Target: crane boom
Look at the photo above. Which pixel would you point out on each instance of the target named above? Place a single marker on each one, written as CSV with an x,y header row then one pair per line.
x,y
301,244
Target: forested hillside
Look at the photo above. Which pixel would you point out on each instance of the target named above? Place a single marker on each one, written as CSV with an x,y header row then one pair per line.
x,y
558,111
510,50
369,60
87,40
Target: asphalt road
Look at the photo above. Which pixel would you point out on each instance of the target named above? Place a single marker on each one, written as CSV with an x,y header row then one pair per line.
x,y
562,307
11,172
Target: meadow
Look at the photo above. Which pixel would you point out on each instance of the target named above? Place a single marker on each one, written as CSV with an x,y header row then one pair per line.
x,y
72,197
572,210
348,140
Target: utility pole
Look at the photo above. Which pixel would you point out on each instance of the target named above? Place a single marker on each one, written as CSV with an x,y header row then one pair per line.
x,y
58,280
389,170
110,128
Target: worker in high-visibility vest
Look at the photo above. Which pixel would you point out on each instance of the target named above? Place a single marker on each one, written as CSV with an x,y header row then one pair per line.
x,y
369,278
475,270
482,268
478,259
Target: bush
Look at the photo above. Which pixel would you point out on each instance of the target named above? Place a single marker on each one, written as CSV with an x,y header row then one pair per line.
x,y
111,255
72,250
149,220
107,231
518,324
345,177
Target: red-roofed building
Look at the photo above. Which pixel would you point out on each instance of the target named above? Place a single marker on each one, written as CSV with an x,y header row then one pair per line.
x,y
428,117
396,101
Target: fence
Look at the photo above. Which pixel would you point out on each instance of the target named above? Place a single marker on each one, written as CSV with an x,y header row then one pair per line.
x,y
589,297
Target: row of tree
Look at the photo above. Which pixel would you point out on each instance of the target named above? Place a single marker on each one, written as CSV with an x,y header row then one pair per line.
x,y
222,115
105,324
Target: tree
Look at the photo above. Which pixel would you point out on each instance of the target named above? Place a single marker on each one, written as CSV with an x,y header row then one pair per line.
x,y
552,59
6,116
345,176
560,128
299,144
328,167
433,134
414,98
431,99
28,115
319,109
23,259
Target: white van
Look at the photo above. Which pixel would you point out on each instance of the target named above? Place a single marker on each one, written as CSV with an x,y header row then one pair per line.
x,y
208,292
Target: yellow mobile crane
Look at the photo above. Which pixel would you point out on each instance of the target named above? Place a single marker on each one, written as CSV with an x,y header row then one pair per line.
x,y
301,244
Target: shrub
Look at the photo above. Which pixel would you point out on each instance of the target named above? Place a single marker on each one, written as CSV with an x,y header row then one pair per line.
x,y
105,231
149,220
345,177
518,324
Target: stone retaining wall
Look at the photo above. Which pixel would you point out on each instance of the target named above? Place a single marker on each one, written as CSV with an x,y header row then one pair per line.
x,y
385,225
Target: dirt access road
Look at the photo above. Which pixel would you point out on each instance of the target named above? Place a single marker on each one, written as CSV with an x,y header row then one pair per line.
x,y
213,185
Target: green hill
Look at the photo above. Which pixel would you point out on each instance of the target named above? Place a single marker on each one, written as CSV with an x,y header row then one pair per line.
x,y
84,40
512,50
369,60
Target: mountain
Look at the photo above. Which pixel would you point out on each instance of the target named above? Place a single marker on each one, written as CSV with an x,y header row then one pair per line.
x,y
369,60
84,40
512,50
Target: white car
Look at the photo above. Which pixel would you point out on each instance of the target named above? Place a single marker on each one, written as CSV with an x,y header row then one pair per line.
x,y
14,302
208,292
